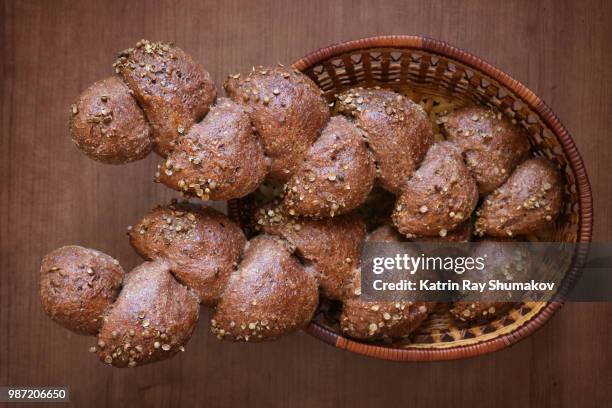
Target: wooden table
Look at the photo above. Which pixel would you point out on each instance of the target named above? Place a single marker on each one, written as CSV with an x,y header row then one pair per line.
x,y
52,195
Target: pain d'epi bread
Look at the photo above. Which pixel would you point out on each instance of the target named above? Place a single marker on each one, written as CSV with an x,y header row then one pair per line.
x,y
275,124
275,116
261,289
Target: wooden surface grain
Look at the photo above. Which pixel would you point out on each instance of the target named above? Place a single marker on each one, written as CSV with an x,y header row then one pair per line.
x,y
52,195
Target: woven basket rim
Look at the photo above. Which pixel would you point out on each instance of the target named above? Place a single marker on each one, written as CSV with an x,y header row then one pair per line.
x,y
570,150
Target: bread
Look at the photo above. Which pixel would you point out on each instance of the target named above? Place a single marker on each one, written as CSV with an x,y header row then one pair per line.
x,y
331,246
491,144
201,246
439,197
77,286
107,124
398,131
173,90
336,175
270,295
505,262
528,201
276,125
287,111
377,320
381,320
209,162
152,319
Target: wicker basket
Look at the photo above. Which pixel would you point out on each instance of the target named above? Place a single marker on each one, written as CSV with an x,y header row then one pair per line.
x,y
425,68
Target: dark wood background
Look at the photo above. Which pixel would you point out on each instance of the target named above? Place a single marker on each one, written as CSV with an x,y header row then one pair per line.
x,y
52,195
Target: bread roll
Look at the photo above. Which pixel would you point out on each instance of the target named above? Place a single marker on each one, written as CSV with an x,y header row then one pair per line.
x,y
379,320
174,91
152,319
270,295
398,131
528,201
439,197
506,262
77,286
336,175
220,158
331,246
200,245
491,144
287,111
107,124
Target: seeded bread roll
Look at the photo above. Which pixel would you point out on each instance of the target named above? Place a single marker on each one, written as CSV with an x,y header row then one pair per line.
x,y
152,319
504,261
528,201
381,320
270,295
107,124
287,110
220,158
398,131
336,175
200,245
174,91
332,246
491,145
77,286
439,197
384,319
